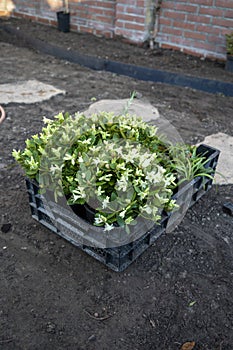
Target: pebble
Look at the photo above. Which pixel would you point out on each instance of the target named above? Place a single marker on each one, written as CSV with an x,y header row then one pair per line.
x,y
50,328
92,338
228,208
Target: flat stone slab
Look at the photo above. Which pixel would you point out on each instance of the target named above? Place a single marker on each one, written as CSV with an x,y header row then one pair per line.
x,y
224,143
135,107
30,91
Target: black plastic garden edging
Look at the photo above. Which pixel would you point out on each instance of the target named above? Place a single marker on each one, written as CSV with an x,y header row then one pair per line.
x,y
137,72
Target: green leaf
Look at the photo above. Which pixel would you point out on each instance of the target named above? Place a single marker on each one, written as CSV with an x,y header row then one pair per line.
x,y
120,221
113,166
88,175
192,303
127,229
113,196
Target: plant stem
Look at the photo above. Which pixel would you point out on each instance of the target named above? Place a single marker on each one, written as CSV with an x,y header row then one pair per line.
x,y
66,6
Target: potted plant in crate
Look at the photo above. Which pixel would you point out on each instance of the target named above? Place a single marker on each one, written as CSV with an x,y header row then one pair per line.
x,y
63,18
229,48
117,174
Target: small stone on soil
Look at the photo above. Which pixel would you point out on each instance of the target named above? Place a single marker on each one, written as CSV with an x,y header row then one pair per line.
x,y
92,338
228,208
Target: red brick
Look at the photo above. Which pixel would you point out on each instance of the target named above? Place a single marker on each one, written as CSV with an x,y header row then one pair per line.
x,y
224,3
211,11
193,35
184,25
119,24
228,14
42,20
86,29
169,46
201,45
172,39
225,31
54,23
173,14
165,21
135,37
120,9
199,19
101,11
135,3
84,16
100,3
73,27
207,29
135,10
104,19
101,33
173,31
186,8
134,26
191,52
222,22
16,14
168,5
203,2
217,40
129,18
24,15
140,3
127,2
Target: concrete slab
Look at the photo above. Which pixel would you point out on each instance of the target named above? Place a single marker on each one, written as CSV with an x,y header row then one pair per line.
x,y
135,107
224,143
30,91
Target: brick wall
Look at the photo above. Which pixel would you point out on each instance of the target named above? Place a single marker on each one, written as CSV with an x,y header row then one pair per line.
x,y
130,20
125,18
196,26
97,17
193,26
93,16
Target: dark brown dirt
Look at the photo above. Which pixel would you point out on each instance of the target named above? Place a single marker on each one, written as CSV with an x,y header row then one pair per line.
x,y
118,50
179,290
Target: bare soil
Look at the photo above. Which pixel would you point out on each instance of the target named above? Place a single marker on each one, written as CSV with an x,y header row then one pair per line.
x,y
119,50
53,296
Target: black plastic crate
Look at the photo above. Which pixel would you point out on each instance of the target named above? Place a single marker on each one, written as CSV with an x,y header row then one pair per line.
x,y
64,222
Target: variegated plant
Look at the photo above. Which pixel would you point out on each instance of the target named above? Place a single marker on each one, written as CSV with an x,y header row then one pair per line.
x,y
115,163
